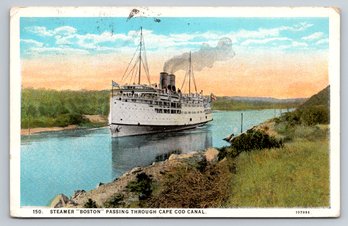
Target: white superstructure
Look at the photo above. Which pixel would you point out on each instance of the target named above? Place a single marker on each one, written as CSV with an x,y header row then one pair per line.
x,y
142,109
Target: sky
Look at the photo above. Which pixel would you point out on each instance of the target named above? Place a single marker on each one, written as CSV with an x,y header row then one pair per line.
x,y
272,57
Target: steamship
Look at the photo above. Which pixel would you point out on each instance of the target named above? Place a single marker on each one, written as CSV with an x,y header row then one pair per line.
x,y
137,109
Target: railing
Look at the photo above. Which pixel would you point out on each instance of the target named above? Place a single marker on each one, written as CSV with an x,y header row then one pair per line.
x,y
165,99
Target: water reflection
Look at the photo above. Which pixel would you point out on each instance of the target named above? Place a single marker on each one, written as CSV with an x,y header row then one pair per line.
x,y
129,152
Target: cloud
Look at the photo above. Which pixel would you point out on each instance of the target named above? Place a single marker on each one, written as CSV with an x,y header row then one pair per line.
x,y
299,44
314,36
263,41
56,51
91,41
322,41
274,38
69,36
258,34
44,32
65,30
271,38
66,38
39,30
181,37
299,27
32,42
293,45
268,32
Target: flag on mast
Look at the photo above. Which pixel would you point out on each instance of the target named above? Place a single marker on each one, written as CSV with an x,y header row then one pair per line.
x,y
114,84
213,97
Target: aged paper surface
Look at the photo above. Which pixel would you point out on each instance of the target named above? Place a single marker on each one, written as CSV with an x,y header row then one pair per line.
x,y
175,112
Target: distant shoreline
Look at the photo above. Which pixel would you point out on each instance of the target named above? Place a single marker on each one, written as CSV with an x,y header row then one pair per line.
x,y
96,121
46,129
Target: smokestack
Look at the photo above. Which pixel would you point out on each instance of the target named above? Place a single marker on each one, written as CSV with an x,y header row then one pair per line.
x,y
205,57
172,82
164,80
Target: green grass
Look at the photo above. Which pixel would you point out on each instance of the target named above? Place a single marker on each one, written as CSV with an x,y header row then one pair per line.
x,y
296,175
49,108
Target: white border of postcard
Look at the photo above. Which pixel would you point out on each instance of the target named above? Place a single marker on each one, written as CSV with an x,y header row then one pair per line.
x,y
334,79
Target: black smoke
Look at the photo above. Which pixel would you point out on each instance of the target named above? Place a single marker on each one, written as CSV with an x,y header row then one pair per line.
x,y
205,57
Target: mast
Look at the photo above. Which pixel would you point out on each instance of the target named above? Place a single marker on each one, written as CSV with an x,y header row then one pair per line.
x,y
140,44
190,66
137,62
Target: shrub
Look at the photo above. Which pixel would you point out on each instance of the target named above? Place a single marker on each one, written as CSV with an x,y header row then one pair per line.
x,y
90,204
308,115
229,152
143,185
315,115
255,139
69,119
77,119
114,201
62,120
292,118
202,165
251,140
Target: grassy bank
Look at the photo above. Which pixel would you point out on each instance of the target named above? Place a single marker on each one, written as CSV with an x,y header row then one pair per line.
x,y
52,108
296,175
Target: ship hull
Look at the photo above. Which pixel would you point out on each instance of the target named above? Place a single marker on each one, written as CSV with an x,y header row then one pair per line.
x,y
122,130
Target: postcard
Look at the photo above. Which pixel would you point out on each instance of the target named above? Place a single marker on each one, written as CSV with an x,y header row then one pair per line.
x,y
184,112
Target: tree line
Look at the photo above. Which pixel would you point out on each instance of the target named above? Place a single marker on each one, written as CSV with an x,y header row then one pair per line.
x,y
48,108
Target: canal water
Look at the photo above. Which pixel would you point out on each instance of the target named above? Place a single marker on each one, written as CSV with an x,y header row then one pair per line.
x,y
62,162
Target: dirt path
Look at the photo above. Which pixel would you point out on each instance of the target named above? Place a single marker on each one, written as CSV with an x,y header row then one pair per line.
x,y
96,118
46,129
